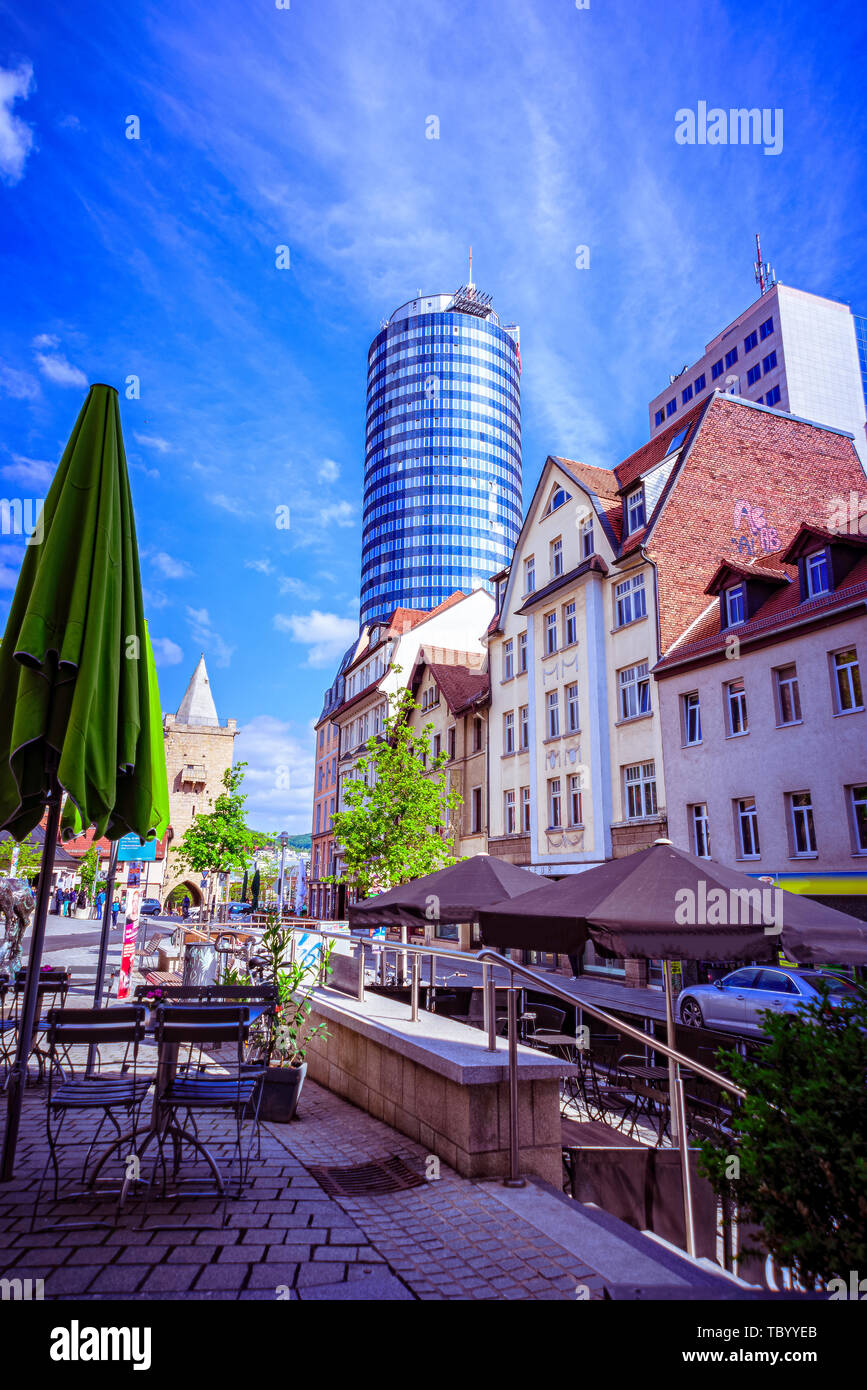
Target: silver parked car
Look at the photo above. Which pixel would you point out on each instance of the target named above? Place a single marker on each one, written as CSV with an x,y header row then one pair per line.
x,y
734,1003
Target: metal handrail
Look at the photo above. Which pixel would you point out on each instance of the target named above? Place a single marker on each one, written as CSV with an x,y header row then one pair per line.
x,y
699,1068
491,960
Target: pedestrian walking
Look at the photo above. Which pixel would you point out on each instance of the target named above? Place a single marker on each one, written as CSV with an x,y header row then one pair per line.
x,y
185,908
115,909
58,901
97,905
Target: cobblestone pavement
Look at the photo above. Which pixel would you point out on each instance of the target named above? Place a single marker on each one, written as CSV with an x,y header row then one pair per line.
x,y
285,1238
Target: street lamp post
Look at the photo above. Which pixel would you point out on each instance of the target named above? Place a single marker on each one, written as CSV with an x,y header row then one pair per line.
x,y
284,839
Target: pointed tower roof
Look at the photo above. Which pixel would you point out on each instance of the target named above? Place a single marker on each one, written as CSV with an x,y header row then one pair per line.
x,y
197,706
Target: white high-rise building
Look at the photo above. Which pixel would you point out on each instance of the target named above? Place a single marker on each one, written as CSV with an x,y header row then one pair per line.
x,y
789,350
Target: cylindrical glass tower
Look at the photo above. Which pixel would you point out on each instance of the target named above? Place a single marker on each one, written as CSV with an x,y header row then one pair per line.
x,y
442,479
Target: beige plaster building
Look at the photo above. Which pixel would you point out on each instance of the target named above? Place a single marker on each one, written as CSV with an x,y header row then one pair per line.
x,y
199,749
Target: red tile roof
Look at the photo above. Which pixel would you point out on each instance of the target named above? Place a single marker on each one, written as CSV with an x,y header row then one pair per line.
x,y
705,638
461,687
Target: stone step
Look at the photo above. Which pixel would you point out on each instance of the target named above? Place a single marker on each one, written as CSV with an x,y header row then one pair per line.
x,y
615,1251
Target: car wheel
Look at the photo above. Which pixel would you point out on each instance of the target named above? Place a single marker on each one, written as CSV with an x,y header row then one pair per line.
x,y
691,1014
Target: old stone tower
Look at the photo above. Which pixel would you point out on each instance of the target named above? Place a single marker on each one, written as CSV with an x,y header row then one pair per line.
x,y
198,750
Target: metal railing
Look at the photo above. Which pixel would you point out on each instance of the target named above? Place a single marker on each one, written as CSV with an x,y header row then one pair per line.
x,y
492,961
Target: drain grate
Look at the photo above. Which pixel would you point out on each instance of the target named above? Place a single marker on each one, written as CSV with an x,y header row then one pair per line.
x,y
374,1179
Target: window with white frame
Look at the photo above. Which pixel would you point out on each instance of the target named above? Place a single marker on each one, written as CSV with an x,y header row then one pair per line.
x,y
550,633
555,812
691,718
788,695
451,743
508,660
734,599
575,816
509,732
858,803
525,810
803,825
635,513
748,828
572,716
630,600
818,574
736,708
530,574
557,557
524,727
509,812
700,827
847,680
522,651
436,745
634,684
570,624
639,781
586,538
552,701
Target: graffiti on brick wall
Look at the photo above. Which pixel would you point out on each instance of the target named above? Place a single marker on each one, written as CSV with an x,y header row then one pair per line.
x,y
754,534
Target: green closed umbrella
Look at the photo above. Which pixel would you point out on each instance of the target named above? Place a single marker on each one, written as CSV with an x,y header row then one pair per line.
x,y
79,701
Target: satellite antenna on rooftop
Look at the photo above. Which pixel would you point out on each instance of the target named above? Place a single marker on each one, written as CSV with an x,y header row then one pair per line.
x,y
765,276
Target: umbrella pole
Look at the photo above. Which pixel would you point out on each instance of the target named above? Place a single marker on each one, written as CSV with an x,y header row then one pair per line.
x,y
103,944
30,1004
671,1039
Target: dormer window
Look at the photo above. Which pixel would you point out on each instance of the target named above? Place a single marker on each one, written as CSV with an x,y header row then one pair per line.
x,y
734,600
635,514
587,541
817,574
530,574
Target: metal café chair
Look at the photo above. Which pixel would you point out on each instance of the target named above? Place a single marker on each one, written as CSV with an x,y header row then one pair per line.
x,y
113,1096
237,1092
52,989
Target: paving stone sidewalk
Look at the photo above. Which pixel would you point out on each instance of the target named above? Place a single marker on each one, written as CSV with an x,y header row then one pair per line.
x,y
286,1238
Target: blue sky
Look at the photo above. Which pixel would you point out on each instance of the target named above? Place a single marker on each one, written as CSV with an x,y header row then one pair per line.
x,y
306,127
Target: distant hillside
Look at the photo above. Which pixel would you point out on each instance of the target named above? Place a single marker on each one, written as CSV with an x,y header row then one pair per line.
x,y
300,841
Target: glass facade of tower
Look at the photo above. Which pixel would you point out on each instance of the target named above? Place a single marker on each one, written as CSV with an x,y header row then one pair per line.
x,y
442,480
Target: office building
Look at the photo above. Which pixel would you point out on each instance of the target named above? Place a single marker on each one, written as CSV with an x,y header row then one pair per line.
x,y
442,481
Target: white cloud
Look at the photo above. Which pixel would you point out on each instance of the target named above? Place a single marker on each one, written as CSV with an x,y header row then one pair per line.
x,y
16,138
152,441
341,513
329,471
325,634
166,652
32,472
278,780
170,567
262,566
59,370
204,635
229,504
8,576
46,340
154,598
21,386
288,585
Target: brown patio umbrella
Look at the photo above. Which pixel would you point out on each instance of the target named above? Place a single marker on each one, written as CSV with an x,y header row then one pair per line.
x,y
455,894
664,904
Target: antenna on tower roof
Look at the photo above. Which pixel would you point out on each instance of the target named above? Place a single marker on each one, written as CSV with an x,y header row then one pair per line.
x,y
470,285
765,276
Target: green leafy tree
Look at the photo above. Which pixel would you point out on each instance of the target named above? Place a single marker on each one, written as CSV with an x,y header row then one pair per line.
x,y
800,1140
88,869
392,828
29,858
219,840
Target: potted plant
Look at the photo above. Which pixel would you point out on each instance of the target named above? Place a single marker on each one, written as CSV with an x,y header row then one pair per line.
x,y
284,1045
